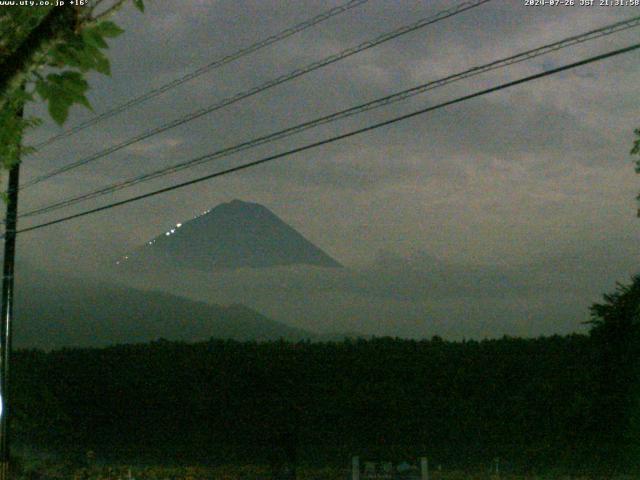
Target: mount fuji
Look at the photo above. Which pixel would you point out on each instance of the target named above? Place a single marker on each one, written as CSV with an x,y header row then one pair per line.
x,y
230,236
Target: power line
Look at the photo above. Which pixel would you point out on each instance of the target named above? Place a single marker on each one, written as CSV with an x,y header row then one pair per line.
x,y
265,86
377,103
336,138
219,62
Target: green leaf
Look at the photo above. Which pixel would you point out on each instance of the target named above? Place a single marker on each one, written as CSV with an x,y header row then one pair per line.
x,y
73,82
102,65
139,4
85,102
33,121
42,88
73,57
59,109
62,91
93,38
636,144
26,150
108,29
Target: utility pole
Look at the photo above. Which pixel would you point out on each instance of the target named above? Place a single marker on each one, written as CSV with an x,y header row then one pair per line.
x,y
57,20
10,69
6,320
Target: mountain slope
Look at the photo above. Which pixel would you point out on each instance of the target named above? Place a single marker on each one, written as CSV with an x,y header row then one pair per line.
x,y
232,235
71,312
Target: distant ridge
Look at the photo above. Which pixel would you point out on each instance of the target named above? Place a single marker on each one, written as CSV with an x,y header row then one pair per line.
x,y
65,311
232,235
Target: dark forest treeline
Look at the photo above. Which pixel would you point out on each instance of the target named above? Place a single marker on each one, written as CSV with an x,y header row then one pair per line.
x,y
536,403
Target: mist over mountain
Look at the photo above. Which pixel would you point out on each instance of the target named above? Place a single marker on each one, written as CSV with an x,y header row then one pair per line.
x,y
415,296
238,253
53,311
232,235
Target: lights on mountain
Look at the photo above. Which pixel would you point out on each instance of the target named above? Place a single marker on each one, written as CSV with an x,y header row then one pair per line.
x,y
202,214
170,232
126,257
205,212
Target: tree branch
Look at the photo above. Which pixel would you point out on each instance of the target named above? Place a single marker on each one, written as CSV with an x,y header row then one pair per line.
x,y
58,21
91,9
109,11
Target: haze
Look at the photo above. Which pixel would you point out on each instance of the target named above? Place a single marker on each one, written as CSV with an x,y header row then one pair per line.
x,y
508,214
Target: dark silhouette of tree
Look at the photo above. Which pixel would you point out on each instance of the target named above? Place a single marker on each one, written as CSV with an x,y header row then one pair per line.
x,y
616,333
527,401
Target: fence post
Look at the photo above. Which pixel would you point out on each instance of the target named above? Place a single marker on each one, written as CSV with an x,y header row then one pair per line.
x,y
355,468
424,468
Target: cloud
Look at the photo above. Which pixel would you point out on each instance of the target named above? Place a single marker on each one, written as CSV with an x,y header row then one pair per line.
x,y
504,179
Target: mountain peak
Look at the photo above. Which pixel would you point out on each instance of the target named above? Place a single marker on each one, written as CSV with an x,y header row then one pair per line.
x,y
240,207
238,202
235,203
231,235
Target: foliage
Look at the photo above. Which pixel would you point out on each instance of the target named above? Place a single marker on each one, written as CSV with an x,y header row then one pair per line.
x,y
616,334
55,69
620,311
526,401
636,151
12,125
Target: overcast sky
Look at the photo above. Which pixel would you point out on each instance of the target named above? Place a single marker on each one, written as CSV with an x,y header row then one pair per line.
x,y
533,183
